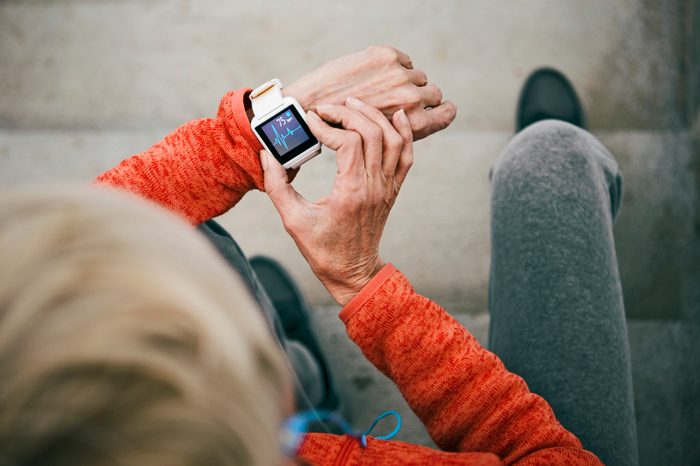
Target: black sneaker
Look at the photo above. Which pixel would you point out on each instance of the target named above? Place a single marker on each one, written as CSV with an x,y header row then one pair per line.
x,y
547,94
294,314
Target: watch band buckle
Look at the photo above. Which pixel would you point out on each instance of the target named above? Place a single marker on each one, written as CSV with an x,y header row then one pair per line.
x,y
266,97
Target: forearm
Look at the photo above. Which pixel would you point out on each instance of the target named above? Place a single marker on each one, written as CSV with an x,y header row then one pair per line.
x,y
200,170
462,393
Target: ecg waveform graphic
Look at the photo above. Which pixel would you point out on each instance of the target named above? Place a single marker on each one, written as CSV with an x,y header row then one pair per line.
x,y
285,132
281,139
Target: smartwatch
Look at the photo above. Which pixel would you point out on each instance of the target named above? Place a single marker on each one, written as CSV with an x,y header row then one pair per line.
x,y
280,125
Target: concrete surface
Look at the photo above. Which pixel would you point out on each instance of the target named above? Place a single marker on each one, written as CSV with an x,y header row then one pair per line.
x,y
78,63
665,357
85,83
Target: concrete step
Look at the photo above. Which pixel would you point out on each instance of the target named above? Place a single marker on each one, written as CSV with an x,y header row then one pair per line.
x,y
666,372
135,64
438,233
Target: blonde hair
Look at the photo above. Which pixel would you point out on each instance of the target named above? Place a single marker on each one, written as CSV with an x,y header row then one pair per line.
x,y
125,339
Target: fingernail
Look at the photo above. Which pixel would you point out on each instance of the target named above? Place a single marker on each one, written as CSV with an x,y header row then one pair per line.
x,y
324,107
403,117
313,115
263,159
353,102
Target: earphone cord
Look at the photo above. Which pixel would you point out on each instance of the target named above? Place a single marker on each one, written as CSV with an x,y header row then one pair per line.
x,y
363,436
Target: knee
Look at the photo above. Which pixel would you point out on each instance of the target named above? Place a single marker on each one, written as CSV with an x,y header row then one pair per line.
x,y
554,147
546,134
543,145
556,154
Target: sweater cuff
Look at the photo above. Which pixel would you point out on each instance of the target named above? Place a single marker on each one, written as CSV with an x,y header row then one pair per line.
x,y
232,114
233,110
367,292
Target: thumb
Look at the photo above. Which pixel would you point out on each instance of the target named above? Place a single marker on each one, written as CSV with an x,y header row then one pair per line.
x,y
284,197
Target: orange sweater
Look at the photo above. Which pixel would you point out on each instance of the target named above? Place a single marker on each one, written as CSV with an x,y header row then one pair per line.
x,y
476,411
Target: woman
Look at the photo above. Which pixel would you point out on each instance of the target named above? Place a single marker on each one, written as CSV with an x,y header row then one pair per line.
x,y
125,339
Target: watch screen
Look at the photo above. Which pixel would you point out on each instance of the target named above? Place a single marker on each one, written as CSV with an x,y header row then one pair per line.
x,y
286,134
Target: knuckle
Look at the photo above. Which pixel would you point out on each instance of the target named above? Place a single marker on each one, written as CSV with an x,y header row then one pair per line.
x,y
438,94
384,52
418,121
374,132
353,140
452,112
405,162
390,52
394,141
402,76
413,97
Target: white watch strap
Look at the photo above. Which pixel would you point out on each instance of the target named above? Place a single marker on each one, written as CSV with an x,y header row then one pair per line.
x,y
266,97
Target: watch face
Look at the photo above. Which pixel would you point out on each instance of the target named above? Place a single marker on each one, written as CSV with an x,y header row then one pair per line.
x,y
286,134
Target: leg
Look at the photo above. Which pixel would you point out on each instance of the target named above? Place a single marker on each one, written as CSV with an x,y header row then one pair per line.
x,y
310,385
557,316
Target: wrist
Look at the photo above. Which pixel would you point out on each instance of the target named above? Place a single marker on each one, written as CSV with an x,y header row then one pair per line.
x,y
344,290
303,93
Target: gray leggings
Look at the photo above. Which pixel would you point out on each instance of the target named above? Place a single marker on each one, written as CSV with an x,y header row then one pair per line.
x,y
557,316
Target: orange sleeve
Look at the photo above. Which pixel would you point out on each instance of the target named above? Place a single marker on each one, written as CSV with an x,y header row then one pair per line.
x,y
463,393
200,170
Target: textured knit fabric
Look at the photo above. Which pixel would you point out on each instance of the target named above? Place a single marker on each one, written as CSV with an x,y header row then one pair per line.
x,y
464,395
557,315
200,170
475,410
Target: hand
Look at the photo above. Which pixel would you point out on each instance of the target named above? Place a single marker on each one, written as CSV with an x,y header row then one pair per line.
x,y
339,234
384,78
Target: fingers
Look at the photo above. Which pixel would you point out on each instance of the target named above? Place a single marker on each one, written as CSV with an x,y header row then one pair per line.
x,y
391,139
432,95
431,120
358,123
349,161
330,137
441,116
418,77
403,58
390,53
403,126
284,197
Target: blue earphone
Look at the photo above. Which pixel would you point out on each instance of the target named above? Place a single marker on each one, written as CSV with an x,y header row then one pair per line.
x,y
295,427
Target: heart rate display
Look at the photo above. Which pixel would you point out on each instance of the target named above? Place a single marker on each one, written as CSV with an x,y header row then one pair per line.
x,y
285,132
286,135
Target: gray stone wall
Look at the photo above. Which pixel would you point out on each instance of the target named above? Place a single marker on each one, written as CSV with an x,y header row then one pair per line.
x,y
692,30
